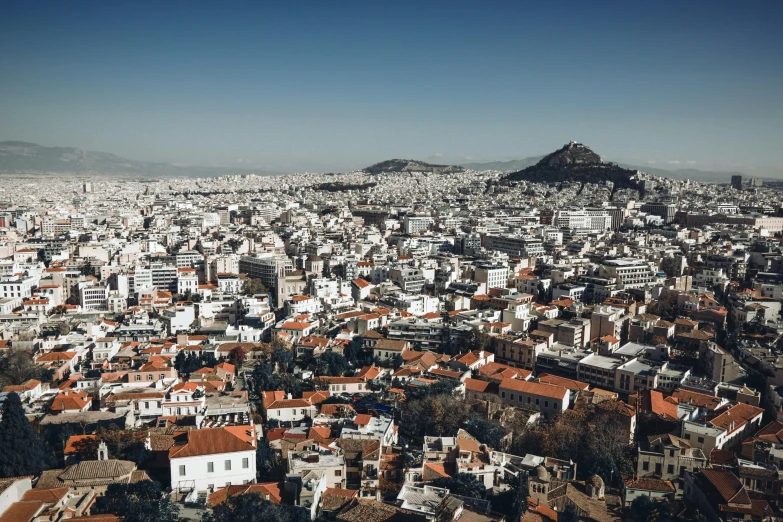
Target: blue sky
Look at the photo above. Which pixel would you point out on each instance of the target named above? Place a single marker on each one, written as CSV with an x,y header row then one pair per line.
x,y
337,85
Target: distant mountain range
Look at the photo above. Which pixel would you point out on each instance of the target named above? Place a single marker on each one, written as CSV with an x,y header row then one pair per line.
x,y
681,174
22,157
511,165
403,165
576,163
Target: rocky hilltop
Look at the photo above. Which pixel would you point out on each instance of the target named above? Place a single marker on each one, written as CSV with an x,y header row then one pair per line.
x,y
403,165
571,154
576,163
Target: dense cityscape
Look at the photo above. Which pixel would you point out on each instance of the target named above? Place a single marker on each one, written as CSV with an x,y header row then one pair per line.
x,y
425,345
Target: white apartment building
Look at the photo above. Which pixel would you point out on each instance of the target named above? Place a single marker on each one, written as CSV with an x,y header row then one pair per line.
x,y
583,219
492,275
416,224
187,281
266,267
527,246
16,286
105,348
229,284
630,272
94,297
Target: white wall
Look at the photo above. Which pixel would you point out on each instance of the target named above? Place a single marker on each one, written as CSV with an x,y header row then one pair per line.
x,y
198,476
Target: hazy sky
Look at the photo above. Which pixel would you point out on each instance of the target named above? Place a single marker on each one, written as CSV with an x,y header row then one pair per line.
x,y
332,85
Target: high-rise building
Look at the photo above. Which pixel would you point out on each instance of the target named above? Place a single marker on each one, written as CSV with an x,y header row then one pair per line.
x,y
87,187
736,182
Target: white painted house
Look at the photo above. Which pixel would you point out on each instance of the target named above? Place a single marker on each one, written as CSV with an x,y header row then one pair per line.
x,y
206,459
277,405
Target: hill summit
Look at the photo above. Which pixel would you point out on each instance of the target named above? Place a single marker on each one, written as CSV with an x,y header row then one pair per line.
x,y
404,165
571,154
577,163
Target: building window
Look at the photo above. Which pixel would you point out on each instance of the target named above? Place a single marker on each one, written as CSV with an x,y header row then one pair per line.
x,y
228,465
670,469
182,471
245,463
646,466
210,467
138,377
338,473
701,440
546,404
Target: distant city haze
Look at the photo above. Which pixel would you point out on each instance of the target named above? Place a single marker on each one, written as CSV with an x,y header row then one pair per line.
x,y
336,86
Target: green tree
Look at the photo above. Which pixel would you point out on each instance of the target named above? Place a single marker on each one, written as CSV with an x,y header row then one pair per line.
x,y
513,501
283,358
17,367
253,286
268,463
432,415
485,430
253,508
264,378
142,501
464,484
22,451
644,509
87,268
332,364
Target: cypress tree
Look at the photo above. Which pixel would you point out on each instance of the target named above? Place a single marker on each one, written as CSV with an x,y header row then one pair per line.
x,y
22,452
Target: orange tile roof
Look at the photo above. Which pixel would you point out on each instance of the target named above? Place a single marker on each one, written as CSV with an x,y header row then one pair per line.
x,y
534,388
211,441
270,491
735,417
571,384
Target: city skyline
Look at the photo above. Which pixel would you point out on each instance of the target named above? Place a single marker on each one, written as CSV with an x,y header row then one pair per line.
x,y
336,88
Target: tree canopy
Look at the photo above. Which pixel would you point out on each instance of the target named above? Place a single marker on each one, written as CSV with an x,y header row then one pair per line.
x,y
598,444
142,501
253,508
488,431
331,364
253,286
433,415
187,363
18,366
464,484
22,451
